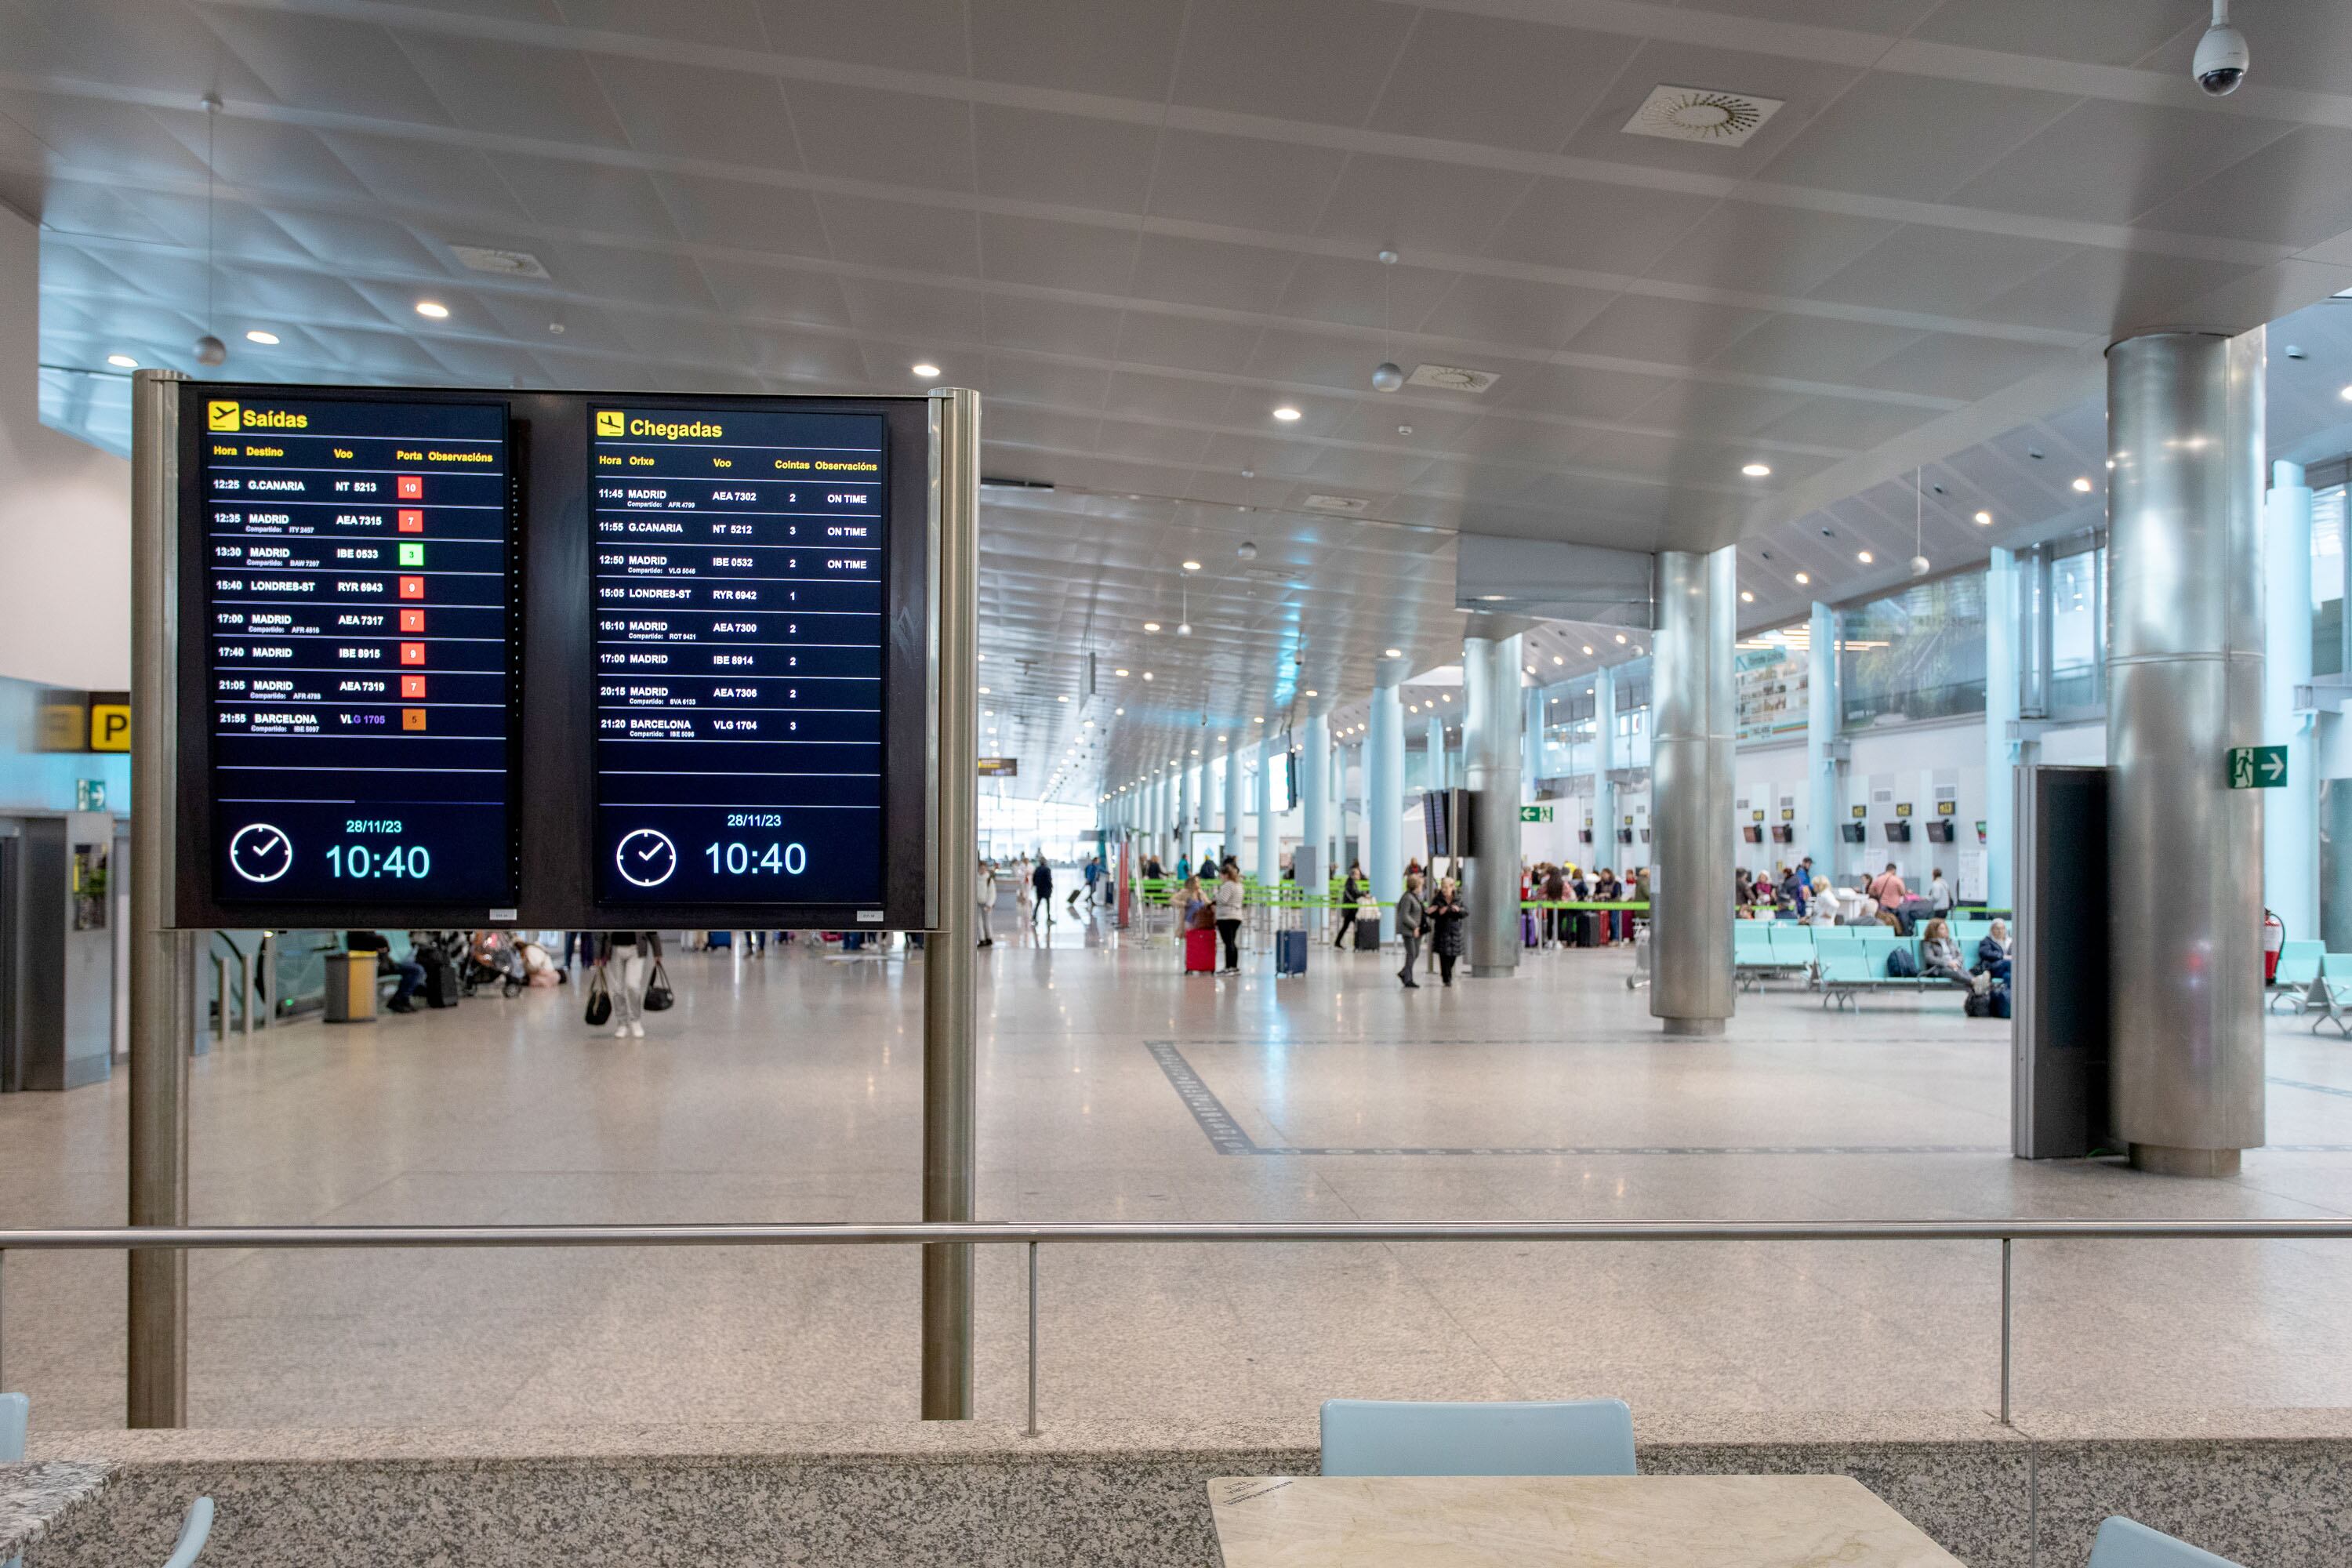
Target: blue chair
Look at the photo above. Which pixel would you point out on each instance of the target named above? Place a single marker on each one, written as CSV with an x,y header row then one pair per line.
x,y
2126,1544
1398,1437
15,1408
194,1531
2298,966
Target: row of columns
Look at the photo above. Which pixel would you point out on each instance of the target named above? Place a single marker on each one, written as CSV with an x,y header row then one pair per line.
x,y
2192,539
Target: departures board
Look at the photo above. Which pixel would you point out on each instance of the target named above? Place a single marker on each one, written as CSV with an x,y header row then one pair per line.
x,y
570,660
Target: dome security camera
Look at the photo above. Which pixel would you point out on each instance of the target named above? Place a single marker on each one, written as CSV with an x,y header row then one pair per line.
x,y
2221,55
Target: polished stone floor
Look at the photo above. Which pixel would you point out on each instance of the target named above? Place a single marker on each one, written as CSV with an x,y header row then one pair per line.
x,y
1112,1087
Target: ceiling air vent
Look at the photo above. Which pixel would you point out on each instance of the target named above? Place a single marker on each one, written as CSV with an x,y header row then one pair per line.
x,y
1452,378
1695,114
1349,504
501,263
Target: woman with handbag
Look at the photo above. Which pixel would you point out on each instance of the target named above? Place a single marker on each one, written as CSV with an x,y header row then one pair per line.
x,y
1411,916
632,961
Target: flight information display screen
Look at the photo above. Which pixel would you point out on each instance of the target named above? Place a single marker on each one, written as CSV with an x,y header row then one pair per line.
x,y
358,651
739,641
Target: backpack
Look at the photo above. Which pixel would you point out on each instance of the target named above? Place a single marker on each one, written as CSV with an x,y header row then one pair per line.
x,y
1902,964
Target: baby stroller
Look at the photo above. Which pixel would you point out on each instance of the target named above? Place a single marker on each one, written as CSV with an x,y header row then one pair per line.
x,y
494,958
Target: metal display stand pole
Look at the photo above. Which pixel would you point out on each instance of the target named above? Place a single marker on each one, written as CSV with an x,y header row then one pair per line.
x,y
949,1100
162,960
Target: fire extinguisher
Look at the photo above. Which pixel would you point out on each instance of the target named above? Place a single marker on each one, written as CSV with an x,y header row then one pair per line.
x,y
2273,938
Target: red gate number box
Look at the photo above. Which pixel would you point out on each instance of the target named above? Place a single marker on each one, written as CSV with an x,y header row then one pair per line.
x,y
412,652
411,688
412,520
412,587
409,487
412,620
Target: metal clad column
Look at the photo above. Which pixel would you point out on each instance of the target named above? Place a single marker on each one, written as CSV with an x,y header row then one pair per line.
x,y
1690,792
1185,809
162,960
2000,713
949,1097
1531,740
1271,752
1434,741
2185,684
1605,848
1384,789
1315,805
1233,802
1821,742
2290,816
1491,720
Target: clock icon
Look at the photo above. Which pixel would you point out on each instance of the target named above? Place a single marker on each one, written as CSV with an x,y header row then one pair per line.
x,y
647,858
260,853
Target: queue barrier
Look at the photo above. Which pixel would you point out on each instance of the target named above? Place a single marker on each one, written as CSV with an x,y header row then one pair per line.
x,y
1034,1237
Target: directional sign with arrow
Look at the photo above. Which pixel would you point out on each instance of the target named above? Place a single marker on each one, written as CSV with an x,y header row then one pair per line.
x,y
2258,767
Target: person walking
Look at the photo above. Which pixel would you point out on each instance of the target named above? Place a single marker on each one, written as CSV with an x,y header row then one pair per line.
x,y
1041,882
1230,901
1555,919
984,892
1411,911
1940,897
1888,890
629,959
1448,919
1351,890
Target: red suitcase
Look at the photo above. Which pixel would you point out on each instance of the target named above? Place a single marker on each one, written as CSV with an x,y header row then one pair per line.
x,y
1201,951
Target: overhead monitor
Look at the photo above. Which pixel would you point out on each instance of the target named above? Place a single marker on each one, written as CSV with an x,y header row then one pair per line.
x,y
740,648
350,678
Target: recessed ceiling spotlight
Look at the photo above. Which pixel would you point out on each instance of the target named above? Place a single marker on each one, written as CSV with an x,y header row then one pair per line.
x,y
983,691
122,362
1528,667
1745,598
1756,470
266,340
1118,672
2082,487
1984,520
1862,556
432,309
1118,712
981,657
1311,693
1285,414
1192,566
1147,675
1391,653
1803,578
1150,627
1259,719
1588,646
1404,429
1065,697
1620,636
925,369
1249,473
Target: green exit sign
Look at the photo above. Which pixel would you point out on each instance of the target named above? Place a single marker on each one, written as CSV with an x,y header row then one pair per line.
x,y
1535,813
2258,767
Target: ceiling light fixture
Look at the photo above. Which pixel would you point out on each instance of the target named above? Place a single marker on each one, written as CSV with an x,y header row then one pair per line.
x,y
1745,598
1150,627
1756,470
432,309
1286,414
1803,578
1312,693
266,340
983,691
925,369
2082,486
122,362
1391,653
1118,672
1984,520
1862,556
1192,566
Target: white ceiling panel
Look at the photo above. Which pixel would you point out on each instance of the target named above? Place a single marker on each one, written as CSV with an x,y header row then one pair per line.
x,y
1138,229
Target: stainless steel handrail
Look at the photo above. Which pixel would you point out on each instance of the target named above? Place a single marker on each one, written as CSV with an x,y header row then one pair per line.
x,y
1033,1235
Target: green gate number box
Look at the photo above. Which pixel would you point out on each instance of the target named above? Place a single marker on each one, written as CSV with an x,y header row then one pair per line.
x,y
2258,767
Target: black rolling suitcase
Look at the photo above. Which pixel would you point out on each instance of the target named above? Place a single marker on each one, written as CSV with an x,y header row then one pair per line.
x,y
1368,935
1589,928
440,987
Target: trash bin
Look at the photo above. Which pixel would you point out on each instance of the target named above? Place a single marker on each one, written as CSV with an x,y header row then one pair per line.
x,y
350,988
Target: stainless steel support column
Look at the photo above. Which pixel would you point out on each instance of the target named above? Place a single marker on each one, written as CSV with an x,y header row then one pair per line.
x,y
1690,792
1384,790
2001,710
162,960
1491,717
1232,825
1315,811
1605,849
1273,753
2185,684
1821,743
950,1102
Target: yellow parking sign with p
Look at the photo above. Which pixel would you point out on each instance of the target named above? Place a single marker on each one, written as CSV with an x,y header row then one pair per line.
x,y
612,422
220,414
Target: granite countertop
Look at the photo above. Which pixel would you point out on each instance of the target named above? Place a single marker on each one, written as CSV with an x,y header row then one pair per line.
x,y
33,1495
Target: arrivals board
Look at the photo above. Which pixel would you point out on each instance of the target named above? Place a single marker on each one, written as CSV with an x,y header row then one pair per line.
x,y
739,604
579,660
357,649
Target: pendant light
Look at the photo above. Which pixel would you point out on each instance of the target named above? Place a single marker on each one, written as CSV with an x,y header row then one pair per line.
x,y
210,349
1386,376
1918,522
